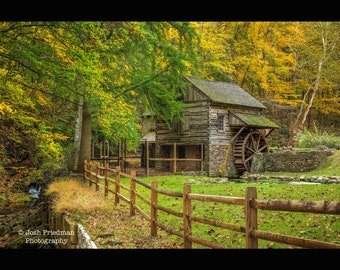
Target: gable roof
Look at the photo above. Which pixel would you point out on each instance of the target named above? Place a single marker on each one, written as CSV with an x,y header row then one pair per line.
x,y
224,92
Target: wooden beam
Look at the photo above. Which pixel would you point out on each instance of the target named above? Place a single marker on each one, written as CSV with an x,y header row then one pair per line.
x,y
236,135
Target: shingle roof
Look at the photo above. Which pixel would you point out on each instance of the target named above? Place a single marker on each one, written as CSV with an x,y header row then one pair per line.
x,y
224,92
252,120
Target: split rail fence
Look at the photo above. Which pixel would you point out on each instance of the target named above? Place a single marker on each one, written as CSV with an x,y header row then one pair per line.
x,y
96,175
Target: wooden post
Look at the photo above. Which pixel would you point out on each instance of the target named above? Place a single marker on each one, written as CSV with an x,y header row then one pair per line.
x,y
117,182
187,212
101,150
74,235
106,153
92,149
97,177
202,155
103,158
125,153
175,158
106,172
120,156
147,158
90,177
251,217
132,193
154,201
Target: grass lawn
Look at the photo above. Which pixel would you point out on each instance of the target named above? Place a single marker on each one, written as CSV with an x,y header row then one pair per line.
x,y
134,232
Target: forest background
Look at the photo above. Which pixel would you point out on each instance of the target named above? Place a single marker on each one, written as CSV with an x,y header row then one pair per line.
x,y
65,84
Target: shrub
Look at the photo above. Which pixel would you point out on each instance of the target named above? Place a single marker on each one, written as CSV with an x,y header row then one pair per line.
x,y
317,137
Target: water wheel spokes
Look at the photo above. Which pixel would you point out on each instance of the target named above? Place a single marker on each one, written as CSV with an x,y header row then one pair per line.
x,y
246,145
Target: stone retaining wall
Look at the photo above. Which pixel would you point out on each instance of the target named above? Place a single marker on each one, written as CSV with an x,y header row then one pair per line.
x,y
84,240
289,161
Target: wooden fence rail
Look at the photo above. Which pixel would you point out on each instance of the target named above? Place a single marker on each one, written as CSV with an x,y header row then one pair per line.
x,y
95,173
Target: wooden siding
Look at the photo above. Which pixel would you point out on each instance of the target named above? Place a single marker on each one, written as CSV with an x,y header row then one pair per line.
x,y
192,95
195,129
200,127
223,137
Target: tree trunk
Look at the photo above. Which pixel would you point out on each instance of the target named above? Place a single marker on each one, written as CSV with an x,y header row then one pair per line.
x,y
85,142
309,97
328,46
77,136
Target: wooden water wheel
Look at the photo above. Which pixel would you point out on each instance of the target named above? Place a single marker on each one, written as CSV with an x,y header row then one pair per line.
x,y
245,146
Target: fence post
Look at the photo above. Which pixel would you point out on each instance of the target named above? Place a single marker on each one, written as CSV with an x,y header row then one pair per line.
x,y
251,217
154,201
97,177
132,193
117,188
187,212
90,177
106,172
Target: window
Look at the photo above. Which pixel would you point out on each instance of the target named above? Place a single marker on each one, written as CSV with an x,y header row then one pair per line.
x,y
220,122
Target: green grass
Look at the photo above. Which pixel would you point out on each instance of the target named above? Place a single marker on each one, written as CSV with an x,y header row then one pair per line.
x,y
307,225
132,234
311,226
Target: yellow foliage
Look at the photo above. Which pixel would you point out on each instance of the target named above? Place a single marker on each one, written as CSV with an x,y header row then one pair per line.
x,y
41,98
5,108
59,136
58,47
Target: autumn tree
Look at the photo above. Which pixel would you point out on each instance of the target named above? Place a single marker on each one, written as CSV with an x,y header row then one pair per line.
x,y
315,80
142,65
35,113
106,72
289,66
